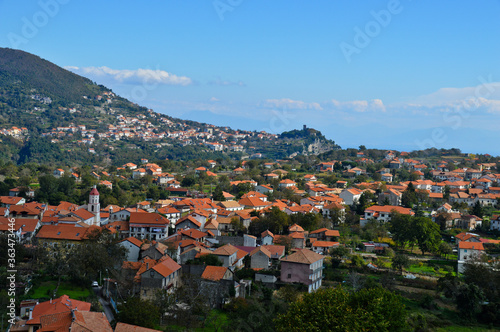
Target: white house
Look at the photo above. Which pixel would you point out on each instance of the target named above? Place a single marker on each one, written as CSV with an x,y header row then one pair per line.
x,y
468,251
133,247
350,196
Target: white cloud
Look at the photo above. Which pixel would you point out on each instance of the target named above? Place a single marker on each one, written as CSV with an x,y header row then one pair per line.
x,y
213,99
486,90
290,104
361,106
129,76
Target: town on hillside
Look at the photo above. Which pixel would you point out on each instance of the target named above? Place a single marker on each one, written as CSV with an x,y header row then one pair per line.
x,y
230,244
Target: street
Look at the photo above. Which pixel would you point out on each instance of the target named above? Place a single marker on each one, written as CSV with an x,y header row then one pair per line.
x,y
108,310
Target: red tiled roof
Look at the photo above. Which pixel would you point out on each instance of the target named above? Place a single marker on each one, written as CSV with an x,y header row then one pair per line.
x,y
304,256
83,214
193,233
64,232
214,273
470,245
324,244
226,250
166,267
148,218
134,241
59,305
122,327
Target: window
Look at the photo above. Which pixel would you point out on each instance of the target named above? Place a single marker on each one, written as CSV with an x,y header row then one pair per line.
x,y
289,275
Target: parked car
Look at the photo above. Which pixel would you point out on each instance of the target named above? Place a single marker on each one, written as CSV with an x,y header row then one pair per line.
x,y
95,284
410,276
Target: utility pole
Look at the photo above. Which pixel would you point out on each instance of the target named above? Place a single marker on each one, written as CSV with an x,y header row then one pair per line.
x,y
107,283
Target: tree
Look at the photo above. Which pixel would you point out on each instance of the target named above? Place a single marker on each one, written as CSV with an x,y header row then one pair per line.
x,y
442,219
400,261
477,210
427,234
401,229
275,220
335,309
445,249
409,197
469,300
210,259
308,221
218,195
84,264
337,216
339,252
139,312
365,200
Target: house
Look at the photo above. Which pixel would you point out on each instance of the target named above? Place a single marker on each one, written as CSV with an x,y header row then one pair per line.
x,y
469,222
23,228
138,173
383,213
323,247
212,225
228,196
260,258
211,163
152,226
387,177
217,273
266,238
107,184
60,306
164,178
255,194
58,173
277,252
253,203
164,275
495,223
350,196
287,183
170,213
227,254
295,228
231,205
7,201
187,222
330,209
298,240
467,237
324,234
63,235
264,189
305,267
130,166
468,251
133,247
310,177
392,196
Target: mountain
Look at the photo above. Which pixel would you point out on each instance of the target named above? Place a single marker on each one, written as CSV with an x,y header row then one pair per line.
x,y
52,116
23,71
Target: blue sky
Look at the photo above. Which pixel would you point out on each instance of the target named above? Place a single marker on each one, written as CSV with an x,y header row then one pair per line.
x,y
387,74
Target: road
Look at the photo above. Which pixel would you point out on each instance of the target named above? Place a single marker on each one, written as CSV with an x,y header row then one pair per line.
x,y
108,310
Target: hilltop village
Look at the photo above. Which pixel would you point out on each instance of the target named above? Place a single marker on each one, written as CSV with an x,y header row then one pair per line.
x,y
160,231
